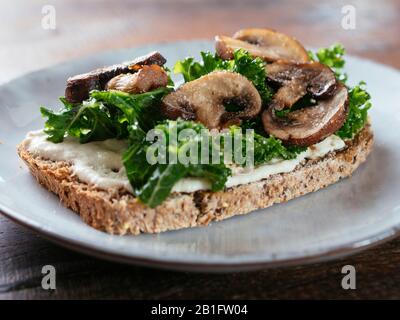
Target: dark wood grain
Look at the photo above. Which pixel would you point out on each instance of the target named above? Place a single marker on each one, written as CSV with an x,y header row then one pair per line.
x,y
23,254
86,27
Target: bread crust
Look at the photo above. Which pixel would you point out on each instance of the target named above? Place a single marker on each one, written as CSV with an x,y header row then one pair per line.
x,y
119,212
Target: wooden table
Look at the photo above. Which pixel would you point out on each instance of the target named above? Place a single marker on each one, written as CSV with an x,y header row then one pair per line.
x,y
86,27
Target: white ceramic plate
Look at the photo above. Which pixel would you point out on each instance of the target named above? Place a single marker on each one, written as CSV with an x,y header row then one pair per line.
x,y
341,219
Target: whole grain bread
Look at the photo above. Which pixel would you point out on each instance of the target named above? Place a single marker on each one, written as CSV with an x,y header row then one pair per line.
x,y
119,212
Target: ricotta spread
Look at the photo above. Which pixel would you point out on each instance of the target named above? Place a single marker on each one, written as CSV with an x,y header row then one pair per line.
x,y
99,163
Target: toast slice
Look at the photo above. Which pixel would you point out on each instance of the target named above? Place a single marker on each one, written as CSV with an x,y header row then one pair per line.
x,y
117,211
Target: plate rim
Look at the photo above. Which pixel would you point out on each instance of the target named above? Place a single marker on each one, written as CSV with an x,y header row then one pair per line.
x,y
199,266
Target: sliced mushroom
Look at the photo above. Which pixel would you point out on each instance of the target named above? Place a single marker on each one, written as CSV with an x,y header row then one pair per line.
x,y
146,79
79,86
267,44
309,125
205,99
297,79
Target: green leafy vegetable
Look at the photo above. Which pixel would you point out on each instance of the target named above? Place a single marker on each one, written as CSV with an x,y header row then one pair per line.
x,y
192,70
141,108
253,69
152,183
89,121
105,115
159,185
216,173
266,149
242,62
359,104
359,98
333,58
254,124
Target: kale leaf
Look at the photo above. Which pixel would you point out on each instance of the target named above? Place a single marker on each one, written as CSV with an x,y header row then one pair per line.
x,y
333,58
254,70
88,121
141,108
152,183
359,104
359,98
105,115
160,183
268,148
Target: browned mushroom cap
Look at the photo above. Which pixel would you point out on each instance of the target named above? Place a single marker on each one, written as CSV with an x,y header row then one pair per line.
x,y
309,125
146,79
79,86
204,100
297,79
267,44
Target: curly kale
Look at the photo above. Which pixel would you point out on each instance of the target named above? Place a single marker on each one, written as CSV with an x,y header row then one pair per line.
x,y
359,98
105,115
153,183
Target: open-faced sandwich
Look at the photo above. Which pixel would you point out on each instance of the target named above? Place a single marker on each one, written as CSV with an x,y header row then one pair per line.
x,y
259,122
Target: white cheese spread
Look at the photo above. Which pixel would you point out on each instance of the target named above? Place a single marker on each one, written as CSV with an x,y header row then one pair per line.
x,y
99,163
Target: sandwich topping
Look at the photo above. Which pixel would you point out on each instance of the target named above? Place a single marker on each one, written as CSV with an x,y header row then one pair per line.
x,y
79,86
261,105
295,80
100,162
205,100
310,124
146,79
266,44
